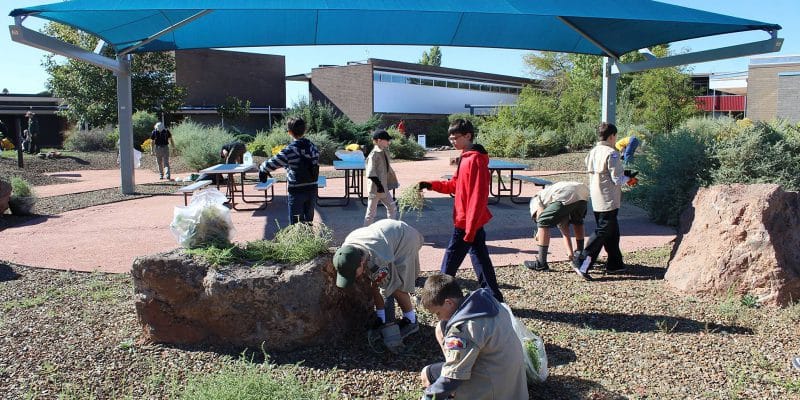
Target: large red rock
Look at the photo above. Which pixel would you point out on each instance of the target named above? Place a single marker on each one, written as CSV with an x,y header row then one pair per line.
x,y
181,299
740,237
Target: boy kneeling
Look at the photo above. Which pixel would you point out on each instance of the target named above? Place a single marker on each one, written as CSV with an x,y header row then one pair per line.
x,y
482,357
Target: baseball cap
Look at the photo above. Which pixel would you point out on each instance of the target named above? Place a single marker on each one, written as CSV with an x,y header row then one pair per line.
x,y
346,260
381,134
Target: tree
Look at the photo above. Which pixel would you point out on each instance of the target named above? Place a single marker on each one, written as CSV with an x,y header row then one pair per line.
x,y
91,92
233,108
434,57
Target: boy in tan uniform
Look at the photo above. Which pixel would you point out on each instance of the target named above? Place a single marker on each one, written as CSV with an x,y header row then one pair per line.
x,y
559,204
483,360
382,179
606,177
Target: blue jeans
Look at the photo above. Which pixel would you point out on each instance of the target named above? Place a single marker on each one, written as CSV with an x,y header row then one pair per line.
x,y
630,149
301,205
479,254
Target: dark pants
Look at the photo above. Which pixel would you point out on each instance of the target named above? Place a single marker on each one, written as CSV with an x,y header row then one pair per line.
x,y
301,204
479,254
606,236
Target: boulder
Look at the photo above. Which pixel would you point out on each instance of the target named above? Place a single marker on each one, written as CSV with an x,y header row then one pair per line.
x,y
180,299
5,194
744,238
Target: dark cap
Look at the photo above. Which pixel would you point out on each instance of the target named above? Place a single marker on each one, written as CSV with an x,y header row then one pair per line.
x,y
381,134
346,260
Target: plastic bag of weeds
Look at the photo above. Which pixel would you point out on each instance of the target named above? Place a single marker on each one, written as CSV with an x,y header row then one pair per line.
x,y
205,221
533,352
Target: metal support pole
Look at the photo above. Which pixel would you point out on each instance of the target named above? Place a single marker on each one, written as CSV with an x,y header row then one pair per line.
x,y
20,163
125,105
609,108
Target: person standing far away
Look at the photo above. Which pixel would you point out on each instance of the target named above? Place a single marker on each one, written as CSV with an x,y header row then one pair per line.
x,y
162,139
606,177
401,127
470,185
33,132
301,160
382,178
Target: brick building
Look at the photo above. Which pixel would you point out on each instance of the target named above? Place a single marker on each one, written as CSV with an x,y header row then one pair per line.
x,y
773,88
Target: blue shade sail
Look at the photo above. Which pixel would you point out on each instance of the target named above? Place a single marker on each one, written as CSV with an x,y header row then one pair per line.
x,y
599,27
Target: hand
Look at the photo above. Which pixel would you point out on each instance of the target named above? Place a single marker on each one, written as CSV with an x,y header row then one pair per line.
x,y
262,176
630,174
424,185
632,182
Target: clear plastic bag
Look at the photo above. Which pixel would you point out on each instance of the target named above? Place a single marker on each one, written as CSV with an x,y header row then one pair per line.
x,y
532,350
204,221
247,158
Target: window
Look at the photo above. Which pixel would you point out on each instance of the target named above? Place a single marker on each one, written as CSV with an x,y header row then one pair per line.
x,y
398,79
463,85
426,82
376,76
452,84
440,83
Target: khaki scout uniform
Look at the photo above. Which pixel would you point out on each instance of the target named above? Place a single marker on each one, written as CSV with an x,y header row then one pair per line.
x,y
377,166
393,248
605,177
483,352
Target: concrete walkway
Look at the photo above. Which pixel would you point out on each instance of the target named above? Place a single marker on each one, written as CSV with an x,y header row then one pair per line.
x,y
108,237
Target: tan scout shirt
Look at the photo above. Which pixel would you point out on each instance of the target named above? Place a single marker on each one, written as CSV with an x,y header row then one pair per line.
x,y
565,192
378,167
393,248
606,176
485,354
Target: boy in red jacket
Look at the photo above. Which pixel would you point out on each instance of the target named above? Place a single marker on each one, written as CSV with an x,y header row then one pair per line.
x,y
470,184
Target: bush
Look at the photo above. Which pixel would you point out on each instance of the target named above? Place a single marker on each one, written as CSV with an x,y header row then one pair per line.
x,y
263,142
199,145
96,139
245,137
326,145
549,143
672,169
518,143
20,188
760,153
321,117
143,123
582,135
437,133
403,148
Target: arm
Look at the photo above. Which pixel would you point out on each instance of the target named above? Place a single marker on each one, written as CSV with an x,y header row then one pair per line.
x,y
616,170
279,160
446,187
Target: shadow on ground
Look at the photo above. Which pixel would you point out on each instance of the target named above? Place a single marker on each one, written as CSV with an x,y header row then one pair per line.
x,y
7,273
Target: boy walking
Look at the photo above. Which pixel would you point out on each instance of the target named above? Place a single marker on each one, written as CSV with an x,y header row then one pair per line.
x,y
388,253
382,178
470,184
606,177
162,139
483,359
301,160
560,204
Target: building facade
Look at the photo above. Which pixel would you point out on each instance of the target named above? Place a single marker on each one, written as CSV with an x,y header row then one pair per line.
x,y
773,88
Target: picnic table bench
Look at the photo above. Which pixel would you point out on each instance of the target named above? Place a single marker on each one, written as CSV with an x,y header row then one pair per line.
x,y
534,180
189,189
269,188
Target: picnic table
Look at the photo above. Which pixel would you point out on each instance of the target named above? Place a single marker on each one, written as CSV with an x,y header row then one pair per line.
x,y
231,170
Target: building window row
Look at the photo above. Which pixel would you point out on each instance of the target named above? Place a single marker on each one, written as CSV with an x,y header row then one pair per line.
x,y
448,83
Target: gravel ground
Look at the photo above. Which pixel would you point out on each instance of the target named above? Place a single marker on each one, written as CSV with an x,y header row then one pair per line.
x,y
75,335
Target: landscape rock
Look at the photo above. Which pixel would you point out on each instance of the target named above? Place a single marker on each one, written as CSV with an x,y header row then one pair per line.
x,y
181,299
744,238
5,194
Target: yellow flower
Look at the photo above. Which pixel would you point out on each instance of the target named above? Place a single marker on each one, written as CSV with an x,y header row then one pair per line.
x,y
353,147
744,123
277,149
147,145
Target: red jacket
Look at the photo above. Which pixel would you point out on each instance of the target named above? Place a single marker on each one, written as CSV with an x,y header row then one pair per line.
x,y
470,184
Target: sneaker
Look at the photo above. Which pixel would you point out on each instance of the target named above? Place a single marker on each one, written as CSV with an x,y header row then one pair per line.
x,y
581,265
616,270
577,259
536,265
407,327
584,275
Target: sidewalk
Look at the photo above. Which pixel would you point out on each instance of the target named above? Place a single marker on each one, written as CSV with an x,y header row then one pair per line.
x,y
108,237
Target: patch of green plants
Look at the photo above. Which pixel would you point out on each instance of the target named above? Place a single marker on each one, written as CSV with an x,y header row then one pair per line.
x,y
244,380
295,243
95,139
20,187
326,145
732,308
198,144
750,301
265,141
411,199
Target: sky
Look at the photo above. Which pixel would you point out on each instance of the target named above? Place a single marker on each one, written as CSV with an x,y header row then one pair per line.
x,y
21,71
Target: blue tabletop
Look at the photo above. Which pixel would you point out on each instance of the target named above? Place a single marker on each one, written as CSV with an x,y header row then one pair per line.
x,y
340,164
228,168
500,164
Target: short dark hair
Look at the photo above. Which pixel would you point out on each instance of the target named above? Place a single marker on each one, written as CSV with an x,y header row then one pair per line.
x,y
438,288
605,130
296,125
461,126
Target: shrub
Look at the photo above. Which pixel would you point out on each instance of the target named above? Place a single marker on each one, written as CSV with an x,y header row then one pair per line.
x,y
403,148
143,123
244,137
263,142
21,188
321,117
582,135
549,143
760,153
672,169
326,145
96,139
199,145
437,133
